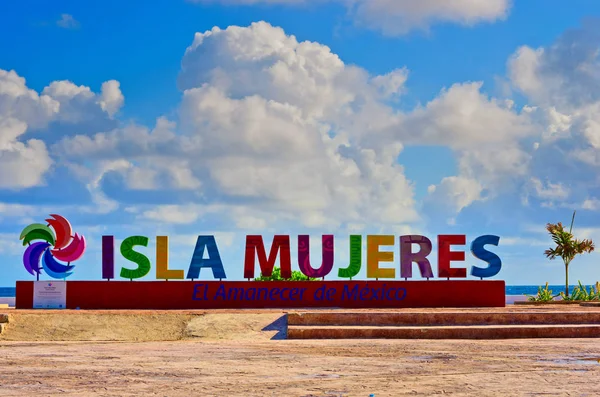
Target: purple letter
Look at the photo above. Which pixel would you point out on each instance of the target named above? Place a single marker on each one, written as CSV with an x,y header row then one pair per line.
x,y
108,257
407,257
304,256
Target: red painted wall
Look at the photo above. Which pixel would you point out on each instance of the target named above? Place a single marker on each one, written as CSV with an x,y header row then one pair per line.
x,y
192,294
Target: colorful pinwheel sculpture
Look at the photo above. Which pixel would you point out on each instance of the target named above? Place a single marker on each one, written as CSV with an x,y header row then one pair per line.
x,y
57,244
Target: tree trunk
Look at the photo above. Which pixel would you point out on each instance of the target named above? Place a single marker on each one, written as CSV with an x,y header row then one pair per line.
x,y
567,279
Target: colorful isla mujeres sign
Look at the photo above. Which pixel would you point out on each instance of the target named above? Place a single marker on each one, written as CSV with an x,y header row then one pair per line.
x,y
53,247
280,249
56,242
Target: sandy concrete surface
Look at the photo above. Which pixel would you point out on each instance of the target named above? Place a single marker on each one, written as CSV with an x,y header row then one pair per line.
x,y
94,327
138,326
301,368
243,354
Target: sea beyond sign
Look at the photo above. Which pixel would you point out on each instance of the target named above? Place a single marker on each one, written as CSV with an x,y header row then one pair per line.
x,y
53,247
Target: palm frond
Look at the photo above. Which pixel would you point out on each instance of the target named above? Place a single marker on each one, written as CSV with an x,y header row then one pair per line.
x,y
567,247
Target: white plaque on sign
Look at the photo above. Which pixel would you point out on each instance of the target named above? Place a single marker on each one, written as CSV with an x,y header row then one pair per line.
x,y
49,295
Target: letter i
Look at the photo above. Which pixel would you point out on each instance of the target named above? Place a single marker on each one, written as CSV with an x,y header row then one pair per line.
x,y
108,257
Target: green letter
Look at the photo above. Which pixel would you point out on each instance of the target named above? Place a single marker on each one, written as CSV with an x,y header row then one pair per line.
x,y
141,260
355,258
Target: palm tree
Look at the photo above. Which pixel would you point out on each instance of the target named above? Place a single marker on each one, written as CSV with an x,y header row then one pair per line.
x,y
567,247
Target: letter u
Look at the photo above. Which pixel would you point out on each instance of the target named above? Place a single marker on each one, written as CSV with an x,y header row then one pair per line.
x,y
304,256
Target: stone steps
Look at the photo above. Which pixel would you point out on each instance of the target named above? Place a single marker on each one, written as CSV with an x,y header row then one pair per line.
x,y
444,325
443,318
445,332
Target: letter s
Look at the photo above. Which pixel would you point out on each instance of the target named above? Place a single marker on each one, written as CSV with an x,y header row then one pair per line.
x,y
479,252
140,259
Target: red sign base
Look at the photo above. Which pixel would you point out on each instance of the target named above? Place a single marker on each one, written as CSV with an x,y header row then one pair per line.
x,y
273,294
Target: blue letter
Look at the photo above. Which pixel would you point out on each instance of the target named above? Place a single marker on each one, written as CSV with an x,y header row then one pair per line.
x,y
213,261
196,292
495,264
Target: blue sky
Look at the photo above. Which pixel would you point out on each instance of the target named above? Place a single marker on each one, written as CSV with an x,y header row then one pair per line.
x,y
313,117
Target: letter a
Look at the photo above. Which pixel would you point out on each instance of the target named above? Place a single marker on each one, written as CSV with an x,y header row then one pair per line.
x,y
213,261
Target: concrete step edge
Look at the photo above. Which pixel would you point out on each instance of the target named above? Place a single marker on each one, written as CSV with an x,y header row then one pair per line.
x,y
472,332
443,318
433,327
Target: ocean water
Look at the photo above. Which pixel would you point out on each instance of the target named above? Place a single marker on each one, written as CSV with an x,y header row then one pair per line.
x,y
7,292
533,289
510,290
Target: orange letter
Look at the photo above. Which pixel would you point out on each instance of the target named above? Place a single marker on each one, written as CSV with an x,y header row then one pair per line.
x,y
374,256
162,261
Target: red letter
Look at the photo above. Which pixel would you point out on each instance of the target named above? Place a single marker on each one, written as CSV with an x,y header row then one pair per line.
x,y
445,256
255,246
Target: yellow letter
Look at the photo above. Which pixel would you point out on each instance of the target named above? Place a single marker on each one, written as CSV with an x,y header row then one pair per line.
x,y
374,256
162,261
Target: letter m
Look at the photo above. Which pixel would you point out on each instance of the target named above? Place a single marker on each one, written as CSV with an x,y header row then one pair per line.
x,y
255,247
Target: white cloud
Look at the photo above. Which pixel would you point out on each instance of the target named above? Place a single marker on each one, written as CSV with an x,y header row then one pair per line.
x,y
555,138
549,191
150,159
67,21
186,214
395,17
272,130
457,192
526,241
9,245
21,103
67,90
562,83
101,203
224,239
485,135
592,233
307,170
24,163
261,60
391,84
261,124
592,204
463,117
286,125
250,222
566,74
523,70
17,210
111,98
79,104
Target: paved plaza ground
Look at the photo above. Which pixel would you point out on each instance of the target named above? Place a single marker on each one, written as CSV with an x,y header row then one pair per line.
x,y
233,354
302,368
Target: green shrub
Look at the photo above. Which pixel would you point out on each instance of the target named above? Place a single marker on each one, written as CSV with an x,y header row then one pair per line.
x,y
580,293
543,295
276,276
